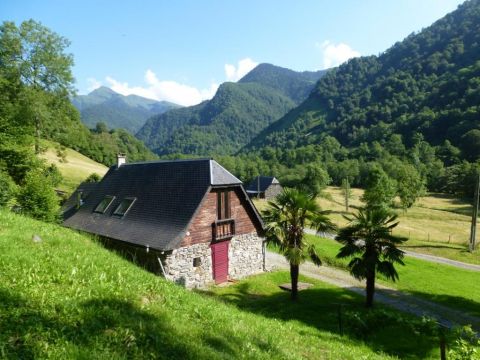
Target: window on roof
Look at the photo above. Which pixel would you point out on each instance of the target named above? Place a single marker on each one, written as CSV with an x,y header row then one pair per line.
x,y
124,206
104,204
223,204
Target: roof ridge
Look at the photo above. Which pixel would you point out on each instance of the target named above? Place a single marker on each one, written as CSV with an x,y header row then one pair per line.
x,y
165,161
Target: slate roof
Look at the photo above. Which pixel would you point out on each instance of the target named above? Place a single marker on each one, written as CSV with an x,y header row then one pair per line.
x,y
70,206
265,182
167,195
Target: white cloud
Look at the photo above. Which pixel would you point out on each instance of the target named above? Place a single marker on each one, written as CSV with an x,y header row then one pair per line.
x,y
168,90
164,90
335,54
235,73
93,84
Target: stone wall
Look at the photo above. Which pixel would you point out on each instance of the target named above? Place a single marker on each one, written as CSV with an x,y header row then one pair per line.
x,y
180,267
245,255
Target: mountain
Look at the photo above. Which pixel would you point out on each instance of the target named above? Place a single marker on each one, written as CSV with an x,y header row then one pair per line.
x,y
237,113
427,86
118,111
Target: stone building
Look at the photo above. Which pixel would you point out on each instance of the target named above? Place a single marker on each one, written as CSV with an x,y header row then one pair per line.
x,y
190,220
264,187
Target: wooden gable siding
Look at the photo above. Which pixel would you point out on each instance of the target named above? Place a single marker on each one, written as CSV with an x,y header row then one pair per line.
x,y
200,229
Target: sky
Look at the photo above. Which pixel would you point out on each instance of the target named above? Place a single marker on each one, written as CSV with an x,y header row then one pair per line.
x,y
181,51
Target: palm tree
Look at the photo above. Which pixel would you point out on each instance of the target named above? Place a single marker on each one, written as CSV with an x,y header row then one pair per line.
x,y
369,240
285,220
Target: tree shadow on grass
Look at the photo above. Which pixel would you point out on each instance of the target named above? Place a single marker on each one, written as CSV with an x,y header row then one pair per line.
x,y
320,307
99,328
102,328
469,310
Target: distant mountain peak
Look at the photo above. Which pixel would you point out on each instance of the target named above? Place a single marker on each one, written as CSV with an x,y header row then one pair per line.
x,y
102,91
118,111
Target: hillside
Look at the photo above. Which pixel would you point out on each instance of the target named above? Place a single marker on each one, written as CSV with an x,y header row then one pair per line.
x,y
419,99
73,166
237,113
118,111
100,145
67,297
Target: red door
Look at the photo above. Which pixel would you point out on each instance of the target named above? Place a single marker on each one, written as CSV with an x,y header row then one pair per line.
x,y
220,261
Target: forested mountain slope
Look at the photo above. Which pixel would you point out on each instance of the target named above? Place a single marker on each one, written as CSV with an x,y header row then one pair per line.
x,y
118,111
428,84
237,113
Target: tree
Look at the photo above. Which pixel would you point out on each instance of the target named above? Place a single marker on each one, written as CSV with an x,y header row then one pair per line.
x,y
380,189
37,197
368,240
471,145
35,57
7,189
285,221
410,185
316,179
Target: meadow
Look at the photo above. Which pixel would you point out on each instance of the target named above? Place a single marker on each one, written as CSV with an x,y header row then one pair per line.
x,y
67,297
438,224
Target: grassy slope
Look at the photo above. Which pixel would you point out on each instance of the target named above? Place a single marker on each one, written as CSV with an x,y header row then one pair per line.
x,y
437,224
67,297
318,307
76,169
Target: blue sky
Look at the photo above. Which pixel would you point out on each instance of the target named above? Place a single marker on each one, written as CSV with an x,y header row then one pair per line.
x,y
182,50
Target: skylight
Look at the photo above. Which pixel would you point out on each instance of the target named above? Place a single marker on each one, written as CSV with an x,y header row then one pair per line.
x,y
104,204
124,206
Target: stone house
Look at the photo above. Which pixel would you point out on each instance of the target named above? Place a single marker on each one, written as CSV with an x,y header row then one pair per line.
x,y
190,220
264,187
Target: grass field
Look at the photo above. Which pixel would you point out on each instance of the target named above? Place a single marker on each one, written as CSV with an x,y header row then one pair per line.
x,y
437,224
74,169
446,285
318,307
66,297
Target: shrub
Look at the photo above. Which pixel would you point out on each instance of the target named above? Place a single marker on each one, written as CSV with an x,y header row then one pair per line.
x,y
37,198
7,190
93,177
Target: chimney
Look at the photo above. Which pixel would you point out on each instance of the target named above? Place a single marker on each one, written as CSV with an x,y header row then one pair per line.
x,y
121,159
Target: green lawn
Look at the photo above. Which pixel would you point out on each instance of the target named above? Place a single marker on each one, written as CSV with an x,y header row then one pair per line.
x,y
69,298
382,329
447,285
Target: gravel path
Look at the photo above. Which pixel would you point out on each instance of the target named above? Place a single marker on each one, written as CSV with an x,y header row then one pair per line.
x,y
400,300
431,258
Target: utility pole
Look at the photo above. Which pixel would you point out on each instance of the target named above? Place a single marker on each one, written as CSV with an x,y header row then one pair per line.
x,y
346,190
473,229
258,186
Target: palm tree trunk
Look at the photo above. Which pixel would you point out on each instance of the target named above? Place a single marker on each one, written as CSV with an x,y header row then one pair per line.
x,y
294,270
370,289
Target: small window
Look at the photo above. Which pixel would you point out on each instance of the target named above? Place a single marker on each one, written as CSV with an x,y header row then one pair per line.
x,y
104,204
223,204
197,262
124,206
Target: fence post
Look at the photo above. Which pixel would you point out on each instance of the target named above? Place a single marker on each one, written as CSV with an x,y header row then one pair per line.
x,y
443,344
340,322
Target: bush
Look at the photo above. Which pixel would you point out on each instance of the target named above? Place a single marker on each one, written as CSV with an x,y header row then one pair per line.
x,y
37,198
466,345
7,190
93,178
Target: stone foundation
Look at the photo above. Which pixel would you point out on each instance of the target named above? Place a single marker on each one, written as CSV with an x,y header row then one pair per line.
x,y
180,267
245,255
